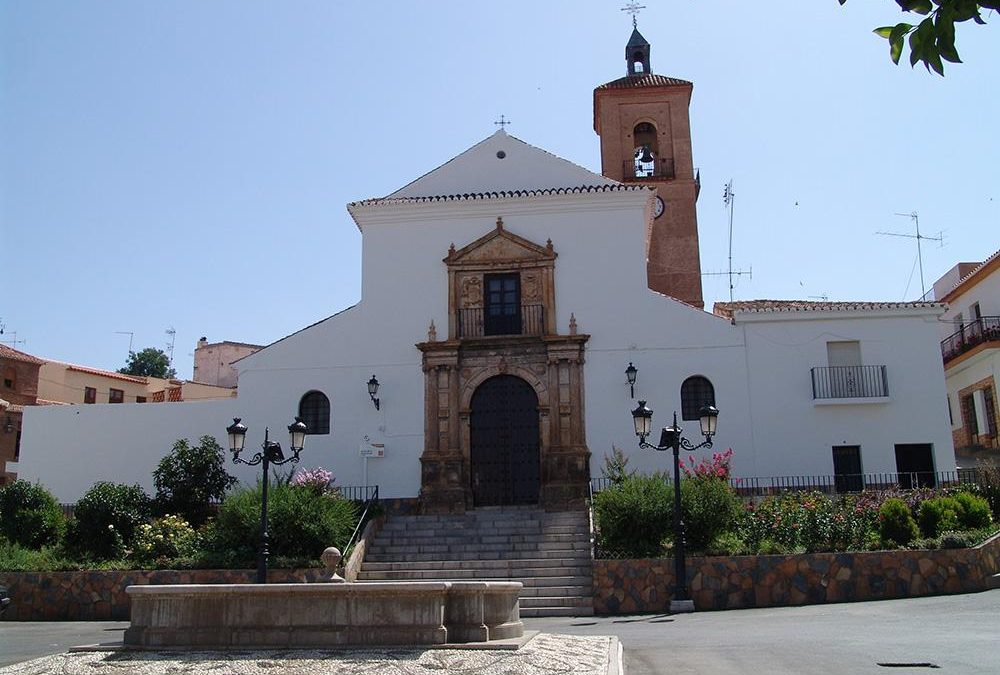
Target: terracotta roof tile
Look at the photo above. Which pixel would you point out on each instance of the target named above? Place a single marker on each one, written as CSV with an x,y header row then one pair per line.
x,y
727,309
105,373
648,80
989,262
16,355
617,187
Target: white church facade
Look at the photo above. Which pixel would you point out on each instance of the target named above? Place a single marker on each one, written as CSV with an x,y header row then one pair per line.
x,y
503,296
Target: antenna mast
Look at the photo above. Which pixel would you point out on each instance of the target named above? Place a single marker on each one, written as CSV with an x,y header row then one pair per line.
x,y
920,257
170,344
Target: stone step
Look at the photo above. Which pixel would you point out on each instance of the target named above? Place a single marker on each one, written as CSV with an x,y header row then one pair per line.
x,y
537,564
536,612
409,539
560,601
512,527
579,581
402,551
479,555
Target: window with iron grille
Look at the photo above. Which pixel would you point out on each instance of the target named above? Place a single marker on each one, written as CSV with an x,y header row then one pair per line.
x,y
116,396
991,411
314,410
969,415
89,395
696,392
502,304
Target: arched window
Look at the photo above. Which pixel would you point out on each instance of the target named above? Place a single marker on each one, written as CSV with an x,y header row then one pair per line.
x,y
696,391
314,409
647,149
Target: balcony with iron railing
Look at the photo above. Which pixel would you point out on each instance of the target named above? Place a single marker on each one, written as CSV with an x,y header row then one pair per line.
x,y
658,168
477,322
849,382
983,330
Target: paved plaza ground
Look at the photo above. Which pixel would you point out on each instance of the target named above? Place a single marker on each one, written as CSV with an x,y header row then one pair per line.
x,y
960,634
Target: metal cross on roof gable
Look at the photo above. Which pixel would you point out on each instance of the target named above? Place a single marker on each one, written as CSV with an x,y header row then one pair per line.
x,y
502,122
633,9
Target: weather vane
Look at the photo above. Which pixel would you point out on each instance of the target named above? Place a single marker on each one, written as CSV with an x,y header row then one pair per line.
x,y
502,122
633,9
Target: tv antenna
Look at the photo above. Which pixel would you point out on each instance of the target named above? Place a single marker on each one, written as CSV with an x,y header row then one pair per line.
x,y
131,336
729,200
915,217
170,344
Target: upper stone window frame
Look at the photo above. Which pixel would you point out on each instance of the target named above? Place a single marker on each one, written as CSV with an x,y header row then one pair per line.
x,y
497,252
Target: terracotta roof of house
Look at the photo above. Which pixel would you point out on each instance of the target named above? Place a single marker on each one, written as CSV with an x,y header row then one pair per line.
x,y
617,187
104,373
17,355
727,309
45,401
986,267
647,80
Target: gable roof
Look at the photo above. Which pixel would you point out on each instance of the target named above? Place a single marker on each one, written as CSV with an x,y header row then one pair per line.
x,y
728,309
17,355
647,80
500,163
983,270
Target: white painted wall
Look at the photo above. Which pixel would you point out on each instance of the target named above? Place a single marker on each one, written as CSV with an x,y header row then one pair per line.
x,y
986,291
760,370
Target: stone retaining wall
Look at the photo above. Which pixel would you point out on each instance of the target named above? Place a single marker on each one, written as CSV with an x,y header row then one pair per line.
x,y
738,582
100,595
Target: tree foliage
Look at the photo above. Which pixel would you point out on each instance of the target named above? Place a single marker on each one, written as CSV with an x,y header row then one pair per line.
x,y
150,362
932,41
189,478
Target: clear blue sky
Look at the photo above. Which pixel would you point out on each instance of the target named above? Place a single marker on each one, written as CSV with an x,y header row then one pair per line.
x,y
187,163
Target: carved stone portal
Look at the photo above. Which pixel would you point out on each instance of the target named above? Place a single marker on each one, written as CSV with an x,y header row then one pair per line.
x,y
551,364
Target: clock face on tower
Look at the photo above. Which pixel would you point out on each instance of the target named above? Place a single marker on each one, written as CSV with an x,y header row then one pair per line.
x,y
658,207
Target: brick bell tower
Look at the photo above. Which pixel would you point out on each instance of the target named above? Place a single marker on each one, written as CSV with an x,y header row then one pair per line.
x,y
642,120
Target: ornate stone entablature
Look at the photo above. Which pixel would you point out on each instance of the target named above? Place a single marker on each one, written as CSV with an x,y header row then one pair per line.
x,y
502,322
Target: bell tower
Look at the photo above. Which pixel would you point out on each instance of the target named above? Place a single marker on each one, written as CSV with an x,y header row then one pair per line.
x,y
645,130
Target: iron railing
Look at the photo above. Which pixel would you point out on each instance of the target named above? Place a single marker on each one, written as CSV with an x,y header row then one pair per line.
x,y
477,322
763,486
660,167
371,499
849,382
983,329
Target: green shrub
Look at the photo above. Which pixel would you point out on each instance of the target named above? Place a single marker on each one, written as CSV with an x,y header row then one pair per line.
x,y
164,540
939,514
29,515
634,517
975,512
106,520
957,540
896,524
727,543
301,523
709,507
189,478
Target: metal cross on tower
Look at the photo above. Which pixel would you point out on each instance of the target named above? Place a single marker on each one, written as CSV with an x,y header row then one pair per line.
x,y
633,9
502,122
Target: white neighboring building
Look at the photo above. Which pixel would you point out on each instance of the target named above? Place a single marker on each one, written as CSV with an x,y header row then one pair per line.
x,y
970,348
503,295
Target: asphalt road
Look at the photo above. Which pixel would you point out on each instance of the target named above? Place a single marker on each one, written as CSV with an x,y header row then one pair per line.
x,y
960,634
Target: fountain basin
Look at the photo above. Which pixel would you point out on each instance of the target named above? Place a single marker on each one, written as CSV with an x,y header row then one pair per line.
x,y
250,616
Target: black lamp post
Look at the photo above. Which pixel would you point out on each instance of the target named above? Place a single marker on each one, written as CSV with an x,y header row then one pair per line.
x,y
373,391
270,454
630,374
670,439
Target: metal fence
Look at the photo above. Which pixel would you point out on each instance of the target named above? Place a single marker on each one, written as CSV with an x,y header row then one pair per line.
x,y
763,486
477,322
983,329
363,494
849,382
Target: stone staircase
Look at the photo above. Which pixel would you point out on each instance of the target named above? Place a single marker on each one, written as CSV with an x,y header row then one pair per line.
x,y
550,553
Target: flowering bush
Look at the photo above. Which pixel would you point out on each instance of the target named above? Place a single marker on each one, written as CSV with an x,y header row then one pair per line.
x,y
717,467
318,479
810,522
164,539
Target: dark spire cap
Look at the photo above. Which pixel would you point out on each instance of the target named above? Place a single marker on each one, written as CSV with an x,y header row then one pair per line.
x,y
637,40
